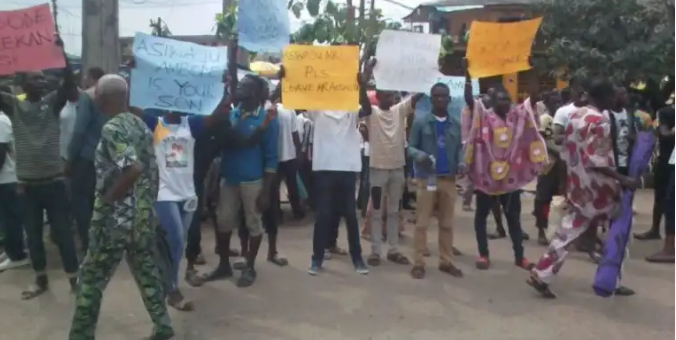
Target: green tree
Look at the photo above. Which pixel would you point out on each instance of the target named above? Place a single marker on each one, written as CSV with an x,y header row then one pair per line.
x,y
626,40
159,28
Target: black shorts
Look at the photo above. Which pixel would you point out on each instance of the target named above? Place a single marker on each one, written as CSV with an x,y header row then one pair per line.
x,y
550,184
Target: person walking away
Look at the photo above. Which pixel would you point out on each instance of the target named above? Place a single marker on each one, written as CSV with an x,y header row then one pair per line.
x,y
40,170
10,214
123,222
435,144
503,152
594,183
386,124
81,147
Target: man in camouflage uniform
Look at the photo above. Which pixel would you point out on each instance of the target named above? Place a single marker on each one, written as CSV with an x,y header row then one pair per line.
x,y
123,222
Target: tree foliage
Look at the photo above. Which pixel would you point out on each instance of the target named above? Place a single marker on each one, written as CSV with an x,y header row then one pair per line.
x,y
330,23
626,40
159,28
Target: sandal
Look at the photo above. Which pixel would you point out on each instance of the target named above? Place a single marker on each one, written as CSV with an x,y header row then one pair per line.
x,y
193,278
247,279
373,260
200,260
222,272
497,235
418,272
278,260
624,291
482,263
541,288
33,291
660,257
180,303
240,264
398,258
524,264
450,270
164,335
338,251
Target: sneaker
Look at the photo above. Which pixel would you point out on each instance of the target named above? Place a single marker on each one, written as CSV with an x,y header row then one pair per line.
x,y
3,256
315,268
8,264
327,254
360,267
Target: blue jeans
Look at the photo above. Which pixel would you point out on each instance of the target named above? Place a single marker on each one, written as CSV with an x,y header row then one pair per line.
x,y
175,221
10,222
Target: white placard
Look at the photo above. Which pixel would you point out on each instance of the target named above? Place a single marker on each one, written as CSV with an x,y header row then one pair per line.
x,y
407,61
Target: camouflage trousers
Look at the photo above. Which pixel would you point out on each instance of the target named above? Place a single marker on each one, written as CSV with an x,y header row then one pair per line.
x,y
103,256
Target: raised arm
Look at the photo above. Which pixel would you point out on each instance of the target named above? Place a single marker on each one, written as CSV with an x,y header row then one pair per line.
x,y
362,80
469,98
68,89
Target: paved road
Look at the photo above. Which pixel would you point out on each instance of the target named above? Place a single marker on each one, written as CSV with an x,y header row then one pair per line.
x,y
287,304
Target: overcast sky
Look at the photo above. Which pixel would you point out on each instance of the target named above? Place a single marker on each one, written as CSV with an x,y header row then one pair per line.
x,y
183,17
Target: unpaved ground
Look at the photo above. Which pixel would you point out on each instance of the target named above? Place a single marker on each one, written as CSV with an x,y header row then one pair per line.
x,y
287,304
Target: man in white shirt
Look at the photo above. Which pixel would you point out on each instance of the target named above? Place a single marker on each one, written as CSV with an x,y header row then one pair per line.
x,y
561,116
10,216
289,147
336,160
622,129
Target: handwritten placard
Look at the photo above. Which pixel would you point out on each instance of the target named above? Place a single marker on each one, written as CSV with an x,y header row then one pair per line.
x,y
320,77
456,85
263,25
500,48
407,61
27,41
177,76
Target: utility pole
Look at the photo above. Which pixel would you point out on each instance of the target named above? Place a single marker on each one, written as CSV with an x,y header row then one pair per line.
x,y
100,35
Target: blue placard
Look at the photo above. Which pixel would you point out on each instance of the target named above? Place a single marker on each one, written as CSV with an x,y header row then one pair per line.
x,y
176,75
263,25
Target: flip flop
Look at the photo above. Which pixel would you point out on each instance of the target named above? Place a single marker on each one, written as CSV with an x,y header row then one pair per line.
x,y
278,260
182,305
33,291
660,257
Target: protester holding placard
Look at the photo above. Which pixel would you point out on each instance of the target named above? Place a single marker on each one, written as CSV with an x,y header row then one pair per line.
x,y
39,169
386,123
248,176
335,170
503,152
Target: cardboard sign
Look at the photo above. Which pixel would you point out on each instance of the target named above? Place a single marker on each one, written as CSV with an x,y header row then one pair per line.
x,y
500,48
27,41
176,75
407,61
263,25
321,78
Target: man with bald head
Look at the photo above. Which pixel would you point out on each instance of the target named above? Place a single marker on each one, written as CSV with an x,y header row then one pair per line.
x,y
39,170
123,221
